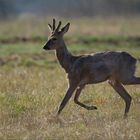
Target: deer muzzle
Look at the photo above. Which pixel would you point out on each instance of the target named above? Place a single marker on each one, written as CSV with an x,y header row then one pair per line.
x,y
47,46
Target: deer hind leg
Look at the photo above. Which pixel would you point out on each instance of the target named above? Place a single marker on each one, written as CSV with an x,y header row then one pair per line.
x,y
123,93
78,92
132,81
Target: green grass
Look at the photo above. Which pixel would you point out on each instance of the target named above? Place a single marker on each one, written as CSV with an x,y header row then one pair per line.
x,y
32,54
32,85
20,48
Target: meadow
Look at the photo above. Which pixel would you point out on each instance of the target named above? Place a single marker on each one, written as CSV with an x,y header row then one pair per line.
x,y
32,83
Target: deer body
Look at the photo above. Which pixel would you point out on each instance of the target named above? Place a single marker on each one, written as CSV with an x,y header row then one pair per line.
x,y
116,67
104,66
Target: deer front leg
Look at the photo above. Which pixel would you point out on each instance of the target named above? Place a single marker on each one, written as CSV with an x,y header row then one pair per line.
x,y
78,92
123,93
68,95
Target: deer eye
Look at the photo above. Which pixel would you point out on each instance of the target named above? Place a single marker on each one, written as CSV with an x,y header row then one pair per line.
x,y
54,39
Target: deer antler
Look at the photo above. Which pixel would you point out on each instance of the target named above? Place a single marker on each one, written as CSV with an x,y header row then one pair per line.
x,y
53,24
53,27
59,24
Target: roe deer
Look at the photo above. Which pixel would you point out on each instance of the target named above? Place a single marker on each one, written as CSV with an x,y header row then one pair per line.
x,y
116,67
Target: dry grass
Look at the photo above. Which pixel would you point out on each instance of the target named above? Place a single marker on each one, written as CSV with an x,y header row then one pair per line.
x,y
29,99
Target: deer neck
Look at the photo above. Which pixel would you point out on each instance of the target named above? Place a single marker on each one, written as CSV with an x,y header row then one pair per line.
x,y
64,57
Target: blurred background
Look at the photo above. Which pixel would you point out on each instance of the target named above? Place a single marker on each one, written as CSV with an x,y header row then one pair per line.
x,y
27,19
66,8
96,25
32,84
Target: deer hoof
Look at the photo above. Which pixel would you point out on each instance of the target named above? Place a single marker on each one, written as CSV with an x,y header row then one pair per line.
x,y
125,116
91,108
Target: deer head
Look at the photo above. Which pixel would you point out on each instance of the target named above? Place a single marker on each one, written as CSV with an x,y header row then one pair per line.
x,y
55,40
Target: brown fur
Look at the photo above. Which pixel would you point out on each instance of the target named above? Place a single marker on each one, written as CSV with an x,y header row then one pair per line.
x,y
116,67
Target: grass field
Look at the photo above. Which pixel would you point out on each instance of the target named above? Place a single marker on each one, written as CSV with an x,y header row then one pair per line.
x,y
32,84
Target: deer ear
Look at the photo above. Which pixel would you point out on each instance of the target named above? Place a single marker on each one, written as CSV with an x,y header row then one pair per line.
x,y
65,28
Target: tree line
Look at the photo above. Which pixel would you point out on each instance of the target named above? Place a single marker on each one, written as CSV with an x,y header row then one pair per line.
x,y
66,8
